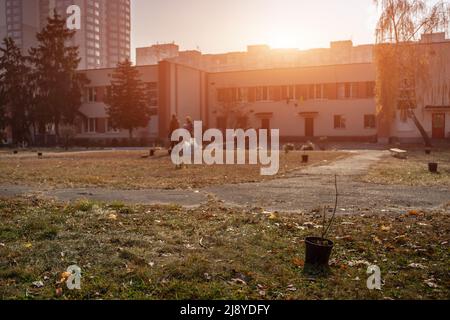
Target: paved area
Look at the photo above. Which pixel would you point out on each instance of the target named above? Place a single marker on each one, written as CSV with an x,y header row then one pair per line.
x,y
303,190
314,187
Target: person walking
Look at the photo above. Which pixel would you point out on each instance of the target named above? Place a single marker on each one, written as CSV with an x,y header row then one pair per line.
x,y
189,125
174,125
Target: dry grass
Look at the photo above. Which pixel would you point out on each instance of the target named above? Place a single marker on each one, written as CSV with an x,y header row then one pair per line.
x,y
213,252
413,171
127,170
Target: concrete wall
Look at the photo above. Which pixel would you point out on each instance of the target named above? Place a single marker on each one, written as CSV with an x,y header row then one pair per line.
x,y
182,93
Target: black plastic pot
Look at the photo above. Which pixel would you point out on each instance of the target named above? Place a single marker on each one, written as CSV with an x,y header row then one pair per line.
x,y
305,158
16,152
428,151
152,153
433,167
318,251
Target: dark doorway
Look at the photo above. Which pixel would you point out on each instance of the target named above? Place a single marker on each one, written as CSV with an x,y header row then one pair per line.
x,y
265,124
438,125
309,127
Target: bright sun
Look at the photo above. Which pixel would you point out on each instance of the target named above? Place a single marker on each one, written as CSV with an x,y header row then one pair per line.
x,y
281,39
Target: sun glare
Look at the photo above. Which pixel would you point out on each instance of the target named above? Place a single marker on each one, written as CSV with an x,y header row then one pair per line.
x,y
283,40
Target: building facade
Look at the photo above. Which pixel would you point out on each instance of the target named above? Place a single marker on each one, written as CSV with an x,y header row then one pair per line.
x,y
20,20
331,94
335,101
328,96
257,57
104,36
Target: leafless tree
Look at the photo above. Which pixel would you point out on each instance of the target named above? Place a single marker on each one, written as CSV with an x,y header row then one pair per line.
x,y
402,65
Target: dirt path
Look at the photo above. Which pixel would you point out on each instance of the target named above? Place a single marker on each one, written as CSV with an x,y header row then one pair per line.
x,y
302,190
313,187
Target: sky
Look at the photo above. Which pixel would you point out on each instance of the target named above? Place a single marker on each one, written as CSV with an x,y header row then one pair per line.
x,y
217,26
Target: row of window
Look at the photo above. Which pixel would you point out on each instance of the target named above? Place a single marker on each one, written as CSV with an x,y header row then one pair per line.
x,y
340,122
370,122
348,90
101,125
98,125
100,94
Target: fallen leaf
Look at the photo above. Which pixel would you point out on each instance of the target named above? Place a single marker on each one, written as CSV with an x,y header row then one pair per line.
x,y
238,281
273,216
28,245
38,284
423,224
417,266
65,275
413,213
347,238
112,217
376,240
298,262
59,292
385,228
401,239
357,263
291,287
309,224
431,283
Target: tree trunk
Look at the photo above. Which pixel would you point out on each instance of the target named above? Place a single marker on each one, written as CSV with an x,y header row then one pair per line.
x,y
421,129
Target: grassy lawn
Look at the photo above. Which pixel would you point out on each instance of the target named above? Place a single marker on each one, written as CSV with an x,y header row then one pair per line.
x,y
413,171
156,252
128,170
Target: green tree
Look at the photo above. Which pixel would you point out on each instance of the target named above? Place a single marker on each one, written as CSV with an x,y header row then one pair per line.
x,y
59,86
128,101
402,65
16,91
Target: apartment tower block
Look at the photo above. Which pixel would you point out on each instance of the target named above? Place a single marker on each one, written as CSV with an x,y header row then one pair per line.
x,y
104,36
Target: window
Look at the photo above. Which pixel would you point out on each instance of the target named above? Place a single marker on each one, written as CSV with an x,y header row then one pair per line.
x,y
261,94
152,88
243,94
91,125
301,92
311,91
369,121
347,90
288,92
339,122
370,89
407,94
291,94
354,90
320,91
274,94
92,94
341,90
